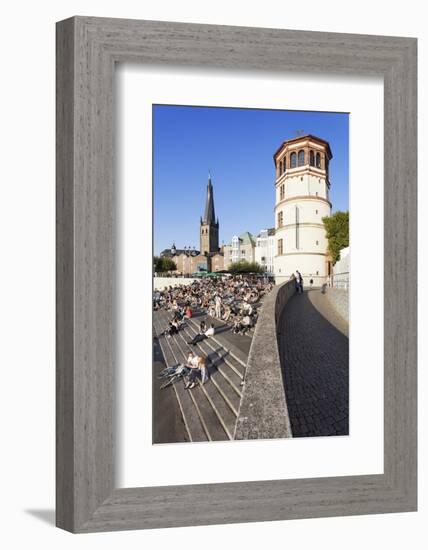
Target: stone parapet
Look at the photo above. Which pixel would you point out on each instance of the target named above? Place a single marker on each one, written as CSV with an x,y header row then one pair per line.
x,y
159,283
338,298
263,412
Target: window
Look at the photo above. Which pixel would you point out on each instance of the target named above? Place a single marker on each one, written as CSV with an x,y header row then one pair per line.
x,y
280,167
316,211
280,219
242,252
301,159
281,192
280,247
318,161
311,158
293,160
283,165
317,243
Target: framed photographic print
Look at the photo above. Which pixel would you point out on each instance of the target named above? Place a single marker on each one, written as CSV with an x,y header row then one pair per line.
x,y
236,274
207,298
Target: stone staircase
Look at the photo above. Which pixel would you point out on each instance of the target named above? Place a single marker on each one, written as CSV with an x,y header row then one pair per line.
x,y
209,411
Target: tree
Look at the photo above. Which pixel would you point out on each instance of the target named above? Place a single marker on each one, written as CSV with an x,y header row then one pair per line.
x,y
245,267
337,229
162,265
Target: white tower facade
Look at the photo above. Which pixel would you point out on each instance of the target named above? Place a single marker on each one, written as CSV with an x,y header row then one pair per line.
x,y
302,188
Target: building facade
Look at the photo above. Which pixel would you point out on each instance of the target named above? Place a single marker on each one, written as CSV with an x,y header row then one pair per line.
x,y
302,199
190,263
217,262
264,253
241,248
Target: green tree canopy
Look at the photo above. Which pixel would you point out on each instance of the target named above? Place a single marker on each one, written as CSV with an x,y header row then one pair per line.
x,y
337,228
245,267
162,265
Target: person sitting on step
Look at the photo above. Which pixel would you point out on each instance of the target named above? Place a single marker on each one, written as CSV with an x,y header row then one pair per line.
x,y
197,365
245,324
188,314
227,313
172,328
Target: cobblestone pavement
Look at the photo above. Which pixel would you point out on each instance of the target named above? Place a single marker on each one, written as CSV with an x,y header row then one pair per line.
x,y
315,362
321,302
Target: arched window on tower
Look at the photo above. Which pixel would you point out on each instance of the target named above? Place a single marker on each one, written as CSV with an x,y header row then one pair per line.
x,y
283,165
301,159
280,167
280,219
293,160
281,192
311,158
318,161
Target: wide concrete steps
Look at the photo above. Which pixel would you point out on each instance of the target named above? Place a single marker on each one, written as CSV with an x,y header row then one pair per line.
x,y
209,411
234,357
237,345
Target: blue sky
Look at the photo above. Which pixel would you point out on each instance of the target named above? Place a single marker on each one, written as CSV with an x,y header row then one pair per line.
x,y
236,146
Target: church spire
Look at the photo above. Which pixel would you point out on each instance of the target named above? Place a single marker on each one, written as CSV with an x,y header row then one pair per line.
x,y
209,225
209,217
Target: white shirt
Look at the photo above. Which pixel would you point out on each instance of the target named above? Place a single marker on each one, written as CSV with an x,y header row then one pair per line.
x,y
194,361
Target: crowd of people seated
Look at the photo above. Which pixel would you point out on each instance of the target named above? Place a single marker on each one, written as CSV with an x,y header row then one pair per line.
x,y
232,300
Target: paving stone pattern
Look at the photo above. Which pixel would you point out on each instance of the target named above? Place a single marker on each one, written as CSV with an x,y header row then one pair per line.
x,y
315,363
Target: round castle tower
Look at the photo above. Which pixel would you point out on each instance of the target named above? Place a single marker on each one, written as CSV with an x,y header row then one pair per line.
x,y
301,201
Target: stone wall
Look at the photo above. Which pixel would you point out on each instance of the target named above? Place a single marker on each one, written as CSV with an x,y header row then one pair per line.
x,y
159,283
340,277
339,301
263,412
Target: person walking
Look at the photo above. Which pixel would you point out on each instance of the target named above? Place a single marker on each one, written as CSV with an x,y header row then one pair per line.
x,y
299,281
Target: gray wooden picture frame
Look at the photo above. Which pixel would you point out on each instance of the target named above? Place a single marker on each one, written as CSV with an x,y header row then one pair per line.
x,y
87,50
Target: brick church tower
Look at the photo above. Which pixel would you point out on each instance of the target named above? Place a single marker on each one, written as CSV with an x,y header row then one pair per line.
x,y
209,225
